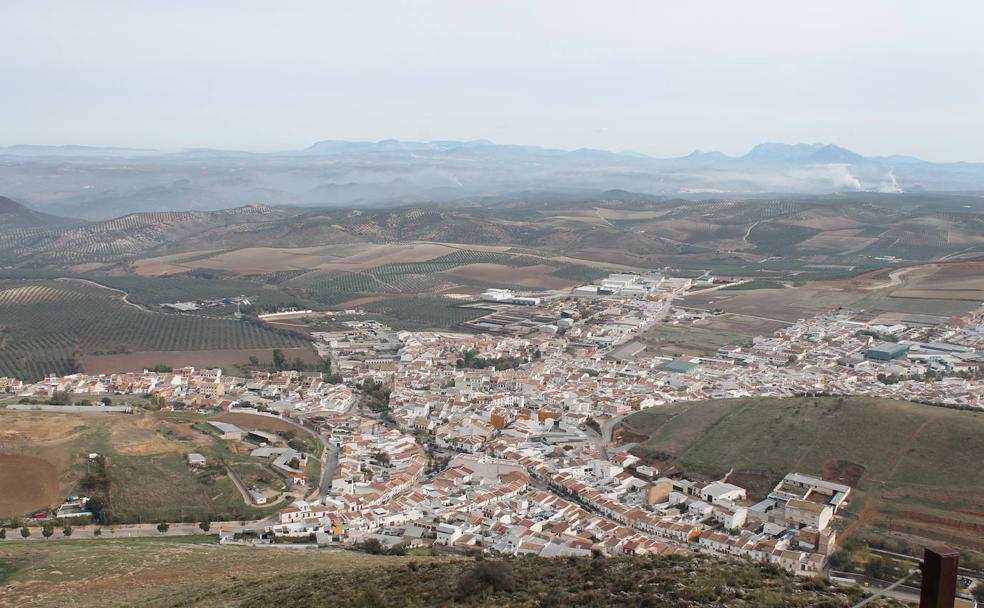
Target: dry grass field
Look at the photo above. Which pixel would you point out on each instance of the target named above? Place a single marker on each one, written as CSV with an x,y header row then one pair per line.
x,y
707,336
28,483
253,422
145,462
263,260
192,573
534,277
225,359
148,571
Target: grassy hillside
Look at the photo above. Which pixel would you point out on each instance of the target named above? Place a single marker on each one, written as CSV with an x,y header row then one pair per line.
x,y
916,467
168,572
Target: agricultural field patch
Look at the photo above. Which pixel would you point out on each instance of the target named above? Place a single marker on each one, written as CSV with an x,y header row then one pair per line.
x,y
706,336
422,312
45,335
842,242
537,277
787,304
778,239
224,359
262,423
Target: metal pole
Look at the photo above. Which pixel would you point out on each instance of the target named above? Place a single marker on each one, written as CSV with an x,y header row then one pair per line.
x,y
886,589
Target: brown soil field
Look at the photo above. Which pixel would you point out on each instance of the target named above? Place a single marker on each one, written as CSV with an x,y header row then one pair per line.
x,y
249,260
968,294
28,483
823,219
843,242
350,258
597,263
781,304
253,422
37,427
535,277
162,265
393,253
262,260
582,219
226,359
621,214
843,471
363,301
139,438
942,278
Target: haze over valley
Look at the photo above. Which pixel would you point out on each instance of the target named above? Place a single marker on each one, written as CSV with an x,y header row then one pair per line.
x,y
101,183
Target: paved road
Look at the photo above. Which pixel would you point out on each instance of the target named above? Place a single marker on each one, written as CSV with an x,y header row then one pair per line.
x,y
329,463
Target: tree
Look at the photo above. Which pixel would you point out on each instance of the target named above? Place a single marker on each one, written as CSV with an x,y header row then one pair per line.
x,y
279,361
163,527
97,532
370,546
107,401
398,550
97,506
67,530
3,533
25,532
47,530
205,525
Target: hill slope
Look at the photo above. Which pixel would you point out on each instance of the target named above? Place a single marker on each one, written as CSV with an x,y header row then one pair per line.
x,y
195,572
535,582
14,216
122,237
900,455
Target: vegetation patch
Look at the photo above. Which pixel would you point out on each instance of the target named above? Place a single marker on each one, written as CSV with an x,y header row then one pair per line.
x,y
536,582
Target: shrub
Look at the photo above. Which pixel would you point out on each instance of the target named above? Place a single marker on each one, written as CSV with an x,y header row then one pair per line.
x,y
486,577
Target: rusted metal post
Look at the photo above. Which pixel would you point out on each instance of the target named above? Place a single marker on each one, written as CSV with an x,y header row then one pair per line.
x,y
939,577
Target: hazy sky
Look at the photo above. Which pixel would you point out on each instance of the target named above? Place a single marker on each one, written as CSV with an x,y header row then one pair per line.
x,y
660,77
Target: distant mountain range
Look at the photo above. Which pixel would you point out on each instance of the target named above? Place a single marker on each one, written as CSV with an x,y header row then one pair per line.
x,y
99,183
